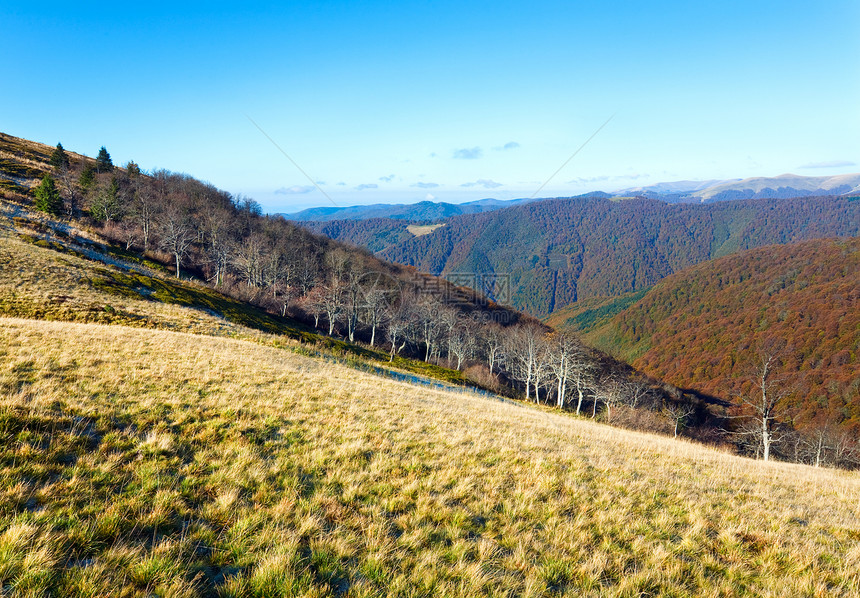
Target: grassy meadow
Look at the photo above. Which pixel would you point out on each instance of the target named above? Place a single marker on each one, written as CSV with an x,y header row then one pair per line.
x,y
137,462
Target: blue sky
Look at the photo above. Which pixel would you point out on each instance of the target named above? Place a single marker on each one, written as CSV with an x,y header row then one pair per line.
x,y
452,101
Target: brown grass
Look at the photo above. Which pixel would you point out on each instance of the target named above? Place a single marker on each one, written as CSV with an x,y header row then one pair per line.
x,y
139,462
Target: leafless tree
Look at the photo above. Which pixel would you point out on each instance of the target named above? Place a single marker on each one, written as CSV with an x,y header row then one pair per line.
x,y
566,355
67,176
492,341
376,304
763,402
611,392
247,258
331,297
637,393
461,342
399,319
525,344
679,412
581,375
429,324
176,232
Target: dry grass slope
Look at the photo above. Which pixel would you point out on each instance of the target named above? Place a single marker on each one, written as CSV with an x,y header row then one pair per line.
x,y
146,462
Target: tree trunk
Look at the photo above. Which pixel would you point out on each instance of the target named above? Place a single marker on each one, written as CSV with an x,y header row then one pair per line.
x,y
765,439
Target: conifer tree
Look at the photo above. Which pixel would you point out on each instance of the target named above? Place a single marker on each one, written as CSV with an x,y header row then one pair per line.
x,y
59,158
87,178
48,197
103,161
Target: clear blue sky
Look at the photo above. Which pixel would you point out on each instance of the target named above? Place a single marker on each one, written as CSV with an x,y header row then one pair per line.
x,y
402,101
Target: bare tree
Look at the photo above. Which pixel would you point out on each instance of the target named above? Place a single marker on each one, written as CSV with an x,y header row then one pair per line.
x,y
637,393
176,232
332,302
524,348
679,412
824,443
492,341
399,319
315,304
763,402
248,256
428,322
376,304
67,178
220,241
611,391
461,342
582,370
565,355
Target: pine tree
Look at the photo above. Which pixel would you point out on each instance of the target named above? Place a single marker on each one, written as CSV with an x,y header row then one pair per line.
x,y
87,178
103,161
59,159
48,197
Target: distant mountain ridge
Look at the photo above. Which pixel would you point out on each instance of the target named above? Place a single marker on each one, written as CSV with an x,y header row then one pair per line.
x,y
782,187
421,211
785,186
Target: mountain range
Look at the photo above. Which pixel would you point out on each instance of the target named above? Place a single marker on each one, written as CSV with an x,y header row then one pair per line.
x,y
784,186
781,187
421,211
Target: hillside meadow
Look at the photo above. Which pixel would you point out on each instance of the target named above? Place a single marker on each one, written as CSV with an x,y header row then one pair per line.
x,y
142,462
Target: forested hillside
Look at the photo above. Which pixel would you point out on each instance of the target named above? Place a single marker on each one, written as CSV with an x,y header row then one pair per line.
x,y
376,234
556,252
708,327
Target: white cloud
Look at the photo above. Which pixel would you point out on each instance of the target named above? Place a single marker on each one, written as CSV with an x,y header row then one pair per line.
x,y
468,153
294,190
485,183
830,164
429,197
592,179
387,179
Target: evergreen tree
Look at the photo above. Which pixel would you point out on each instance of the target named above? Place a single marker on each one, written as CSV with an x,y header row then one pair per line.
x,y
103,161
59,159
48,197
87,178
